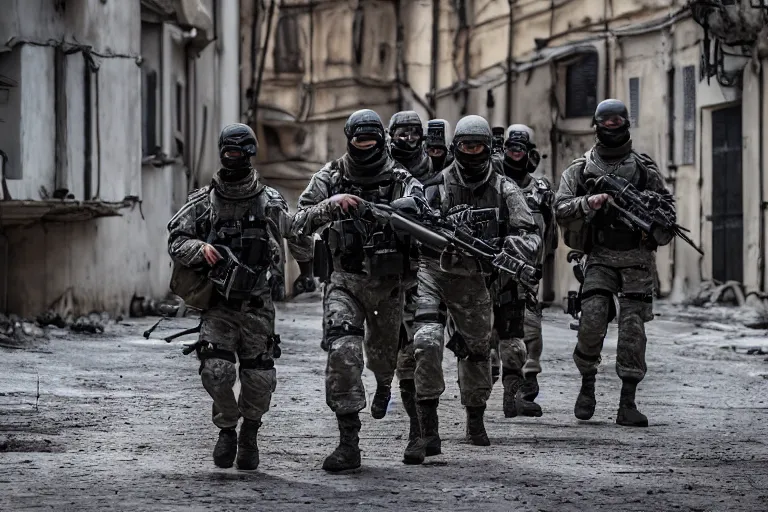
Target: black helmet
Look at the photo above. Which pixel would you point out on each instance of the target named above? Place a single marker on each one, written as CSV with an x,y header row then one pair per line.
x,y
237,144
406,133
472,142
611,123
364,125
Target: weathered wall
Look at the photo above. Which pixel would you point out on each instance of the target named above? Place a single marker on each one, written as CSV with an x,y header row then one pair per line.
x,y
106,261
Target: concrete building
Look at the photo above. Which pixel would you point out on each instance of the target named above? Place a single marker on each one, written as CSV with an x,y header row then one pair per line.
x,y
109,115
545,64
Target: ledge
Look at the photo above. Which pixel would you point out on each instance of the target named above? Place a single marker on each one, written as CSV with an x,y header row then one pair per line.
x,y
14,213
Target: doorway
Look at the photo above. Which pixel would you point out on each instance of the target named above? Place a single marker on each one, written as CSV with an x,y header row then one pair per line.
x,y
727,196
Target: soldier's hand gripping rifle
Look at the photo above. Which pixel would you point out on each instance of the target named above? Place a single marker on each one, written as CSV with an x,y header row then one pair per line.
x,y
641,211
441,235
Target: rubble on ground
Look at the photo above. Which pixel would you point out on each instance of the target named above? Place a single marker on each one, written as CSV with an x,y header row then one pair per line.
x,y
171,305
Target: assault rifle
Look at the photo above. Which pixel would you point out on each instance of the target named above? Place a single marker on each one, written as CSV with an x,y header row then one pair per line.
x,y
641,211
441,236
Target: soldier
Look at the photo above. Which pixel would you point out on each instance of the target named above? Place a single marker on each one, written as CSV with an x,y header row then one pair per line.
x,y
363,300
619,261
458,281
231,231
437,144
406,146
521,158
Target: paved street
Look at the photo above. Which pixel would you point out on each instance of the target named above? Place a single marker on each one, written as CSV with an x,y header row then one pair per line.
x,y
122,423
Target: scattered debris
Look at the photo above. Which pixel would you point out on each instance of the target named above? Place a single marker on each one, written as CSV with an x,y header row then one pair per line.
x,y
170,306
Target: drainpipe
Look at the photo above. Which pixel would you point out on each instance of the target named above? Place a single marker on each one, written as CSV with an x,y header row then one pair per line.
x,y
229,68
761,163
255,97
435,55
400,65
88,143
510,55
6,247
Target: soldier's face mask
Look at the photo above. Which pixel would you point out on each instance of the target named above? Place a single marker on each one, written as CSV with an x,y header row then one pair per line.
x,y
365,147
473,158
407,136
612,130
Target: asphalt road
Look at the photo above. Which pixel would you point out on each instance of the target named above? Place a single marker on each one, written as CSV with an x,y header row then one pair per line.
x,y
122,423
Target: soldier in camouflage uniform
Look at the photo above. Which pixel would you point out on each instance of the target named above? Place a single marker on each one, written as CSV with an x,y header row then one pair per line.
x,y
236,217
363,302
521,357
619,262
458,281
406,135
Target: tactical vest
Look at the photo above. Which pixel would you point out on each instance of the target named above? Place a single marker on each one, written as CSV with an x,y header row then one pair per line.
x,y
361,246
607,230
453,193
241,226
535,193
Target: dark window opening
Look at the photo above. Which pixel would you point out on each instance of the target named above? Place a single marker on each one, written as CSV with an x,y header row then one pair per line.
x,y
383,52
634,101
689,114
287,53
149,113
358,35
581,86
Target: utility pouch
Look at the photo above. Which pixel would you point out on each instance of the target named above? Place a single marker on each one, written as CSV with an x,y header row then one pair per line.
x,y
383,257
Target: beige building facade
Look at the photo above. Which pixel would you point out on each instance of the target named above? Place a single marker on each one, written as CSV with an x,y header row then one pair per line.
x,y
695,96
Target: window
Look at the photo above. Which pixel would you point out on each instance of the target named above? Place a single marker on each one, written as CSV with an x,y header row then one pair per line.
x,y
179,107
149,141
287,52
581,86
689,114
634,101
358,35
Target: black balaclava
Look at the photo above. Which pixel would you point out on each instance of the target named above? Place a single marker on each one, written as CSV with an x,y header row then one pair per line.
x,y
407,152
365,125
237,145
472,130
520,140
613,137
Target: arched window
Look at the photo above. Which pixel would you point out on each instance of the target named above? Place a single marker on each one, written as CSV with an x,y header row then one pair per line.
x,y
581,78
287,52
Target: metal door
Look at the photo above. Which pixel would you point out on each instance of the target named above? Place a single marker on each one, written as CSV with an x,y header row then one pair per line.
x,y
727,196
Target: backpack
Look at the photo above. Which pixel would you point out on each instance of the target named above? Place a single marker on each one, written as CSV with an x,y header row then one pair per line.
x,y
193,286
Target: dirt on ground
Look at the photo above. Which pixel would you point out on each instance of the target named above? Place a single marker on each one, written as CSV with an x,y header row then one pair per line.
x,y
114,421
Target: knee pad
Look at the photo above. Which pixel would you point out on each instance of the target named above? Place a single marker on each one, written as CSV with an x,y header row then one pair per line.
x,y
585,296
217,372
428,337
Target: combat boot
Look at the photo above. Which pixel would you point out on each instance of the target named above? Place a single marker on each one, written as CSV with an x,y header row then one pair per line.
x,y
628,415
247,447
225,451
476,428
429,427
526,395
585,402
511,383
346,456
380,401
414,451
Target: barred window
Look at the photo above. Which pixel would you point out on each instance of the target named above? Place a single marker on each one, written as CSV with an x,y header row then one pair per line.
x,y
287,52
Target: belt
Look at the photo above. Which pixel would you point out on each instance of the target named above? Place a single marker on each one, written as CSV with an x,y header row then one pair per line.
x,y
239,304
617,240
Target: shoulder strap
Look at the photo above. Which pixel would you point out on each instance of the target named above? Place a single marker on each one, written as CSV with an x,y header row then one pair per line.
x,y
642,180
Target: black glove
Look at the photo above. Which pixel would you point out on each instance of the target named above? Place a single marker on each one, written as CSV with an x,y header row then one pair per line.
x,y
408,205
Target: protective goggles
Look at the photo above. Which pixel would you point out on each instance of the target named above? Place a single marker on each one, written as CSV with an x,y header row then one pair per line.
x,y
611,122
471,147
409,133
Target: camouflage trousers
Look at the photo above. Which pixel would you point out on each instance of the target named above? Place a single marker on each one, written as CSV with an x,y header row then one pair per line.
x,y
629,275
359,313
468,303
248,333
